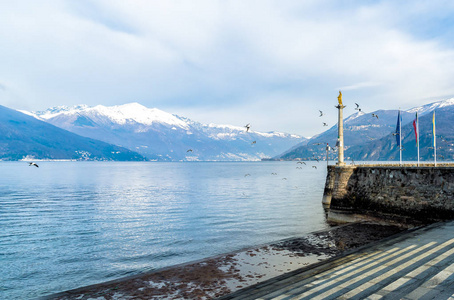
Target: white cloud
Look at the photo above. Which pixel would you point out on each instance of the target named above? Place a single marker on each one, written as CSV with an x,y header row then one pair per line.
x,y
276,62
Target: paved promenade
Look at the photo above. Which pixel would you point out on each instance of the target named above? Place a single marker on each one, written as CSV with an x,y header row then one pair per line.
x,y
416,265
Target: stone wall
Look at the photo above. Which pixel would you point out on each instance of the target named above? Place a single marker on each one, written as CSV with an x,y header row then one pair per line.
x,y
423,193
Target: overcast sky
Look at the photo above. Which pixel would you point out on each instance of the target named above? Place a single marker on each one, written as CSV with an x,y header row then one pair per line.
x,y
273,64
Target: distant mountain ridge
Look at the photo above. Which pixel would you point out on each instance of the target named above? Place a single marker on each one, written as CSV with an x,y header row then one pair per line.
x,y
159,135
370,138
24,137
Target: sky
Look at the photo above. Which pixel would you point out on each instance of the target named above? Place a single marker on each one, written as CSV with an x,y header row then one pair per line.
x,y
273,64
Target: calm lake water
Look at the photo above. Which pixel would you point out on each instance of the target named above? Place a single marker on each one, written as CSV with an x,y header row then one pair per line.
x,y
71,224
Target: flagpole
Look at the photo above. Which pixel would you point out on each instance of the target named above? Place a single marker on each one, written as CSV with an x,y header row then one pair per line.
x,y
417,134
400,136
435,141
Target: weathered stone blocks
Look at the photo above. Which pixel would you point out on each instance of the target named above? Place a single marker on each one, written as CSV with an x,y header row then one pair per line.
x,y
418,192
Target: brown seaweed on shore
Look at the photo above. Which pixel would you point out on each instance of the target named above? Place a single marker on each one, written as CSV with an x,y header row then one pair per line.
x,y
213,277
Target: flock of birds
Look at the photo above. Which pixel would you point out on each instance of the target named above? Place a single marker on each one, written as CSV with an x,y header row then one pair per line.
x,y
325,124
248,126
356,108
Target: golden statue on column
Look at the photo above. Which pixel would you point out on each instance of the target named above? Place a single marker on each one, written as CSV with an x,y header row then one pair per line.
x,y
340,127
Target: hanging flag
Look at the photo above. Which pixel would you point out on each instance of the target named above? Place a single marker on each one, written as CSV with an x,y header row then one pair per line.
x,y
415,127
433,128
398,129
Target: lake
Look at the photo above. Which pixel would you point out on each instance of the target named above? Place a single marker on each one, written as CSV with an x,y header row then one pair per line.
x,y
69,224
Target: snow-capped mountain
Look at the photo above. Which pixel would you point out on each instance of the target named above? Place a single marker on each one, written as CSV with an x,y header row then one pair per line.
x,y
25,137
363,133
159,135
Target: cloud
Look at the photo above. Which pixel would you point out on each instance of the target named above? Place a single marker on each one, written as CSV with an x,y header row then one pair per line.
x,y
359,85
277,62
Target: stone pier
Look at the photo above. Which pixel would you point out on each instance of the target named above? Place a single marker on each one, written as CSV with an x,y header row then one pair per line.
x,y
423,193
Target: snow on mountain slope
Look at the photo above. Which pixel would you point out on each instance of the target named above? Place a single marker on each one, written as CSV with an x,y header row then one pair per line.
x,y
163,136
424,109
120,114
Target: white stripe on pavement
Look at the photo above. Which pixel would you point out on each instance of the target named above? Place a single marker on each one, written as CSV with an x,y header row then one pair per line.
x,y
384,276
362,276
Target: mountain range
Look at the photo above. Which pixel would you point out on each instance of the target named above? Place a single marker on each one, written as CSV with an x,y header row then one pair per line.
x,y
367,137
25,137
158,135
135,132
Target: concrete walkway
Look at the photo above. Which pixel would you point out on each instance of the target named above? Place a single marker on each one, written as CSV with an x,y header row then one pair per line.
x,y
415,265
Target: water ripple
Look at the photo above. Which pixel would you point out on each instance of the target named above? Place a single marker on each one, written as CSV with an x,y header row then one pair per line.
x,y
88,222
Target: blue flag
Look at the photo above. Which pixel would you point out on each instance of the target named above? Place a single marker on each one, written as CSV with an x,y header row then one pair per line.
x,y
399,119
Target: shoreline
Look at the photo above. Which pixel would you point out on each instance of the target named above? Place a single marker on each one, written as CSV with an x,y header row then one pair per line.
x,y
221,275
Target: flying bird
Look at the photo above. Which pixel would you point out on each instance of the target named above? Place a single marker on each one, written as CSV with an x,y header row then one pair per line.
x,y
245,175
33,164
374,115
445,141
301,162
324,124
253,142
273,173
321,113
248,125
357,106
315,167
317,144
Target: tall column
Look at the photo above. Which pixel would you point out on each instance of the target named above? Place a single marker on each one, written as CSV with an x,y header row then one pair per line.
x,y
340,127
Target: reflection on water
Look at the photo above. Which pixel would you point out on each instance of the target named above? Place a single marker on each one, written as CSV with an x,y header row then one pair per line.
x,y
69,224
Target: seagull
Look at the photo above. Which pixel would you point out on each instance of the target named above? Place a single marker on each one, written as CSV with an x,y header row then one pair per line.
x,y
374,115
245,175
248,125
445,141
321,113
317,144
253,142
315,167
273,173
395,133
284,178
324,124
357,106
33,164
301,162
316,159
189,150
